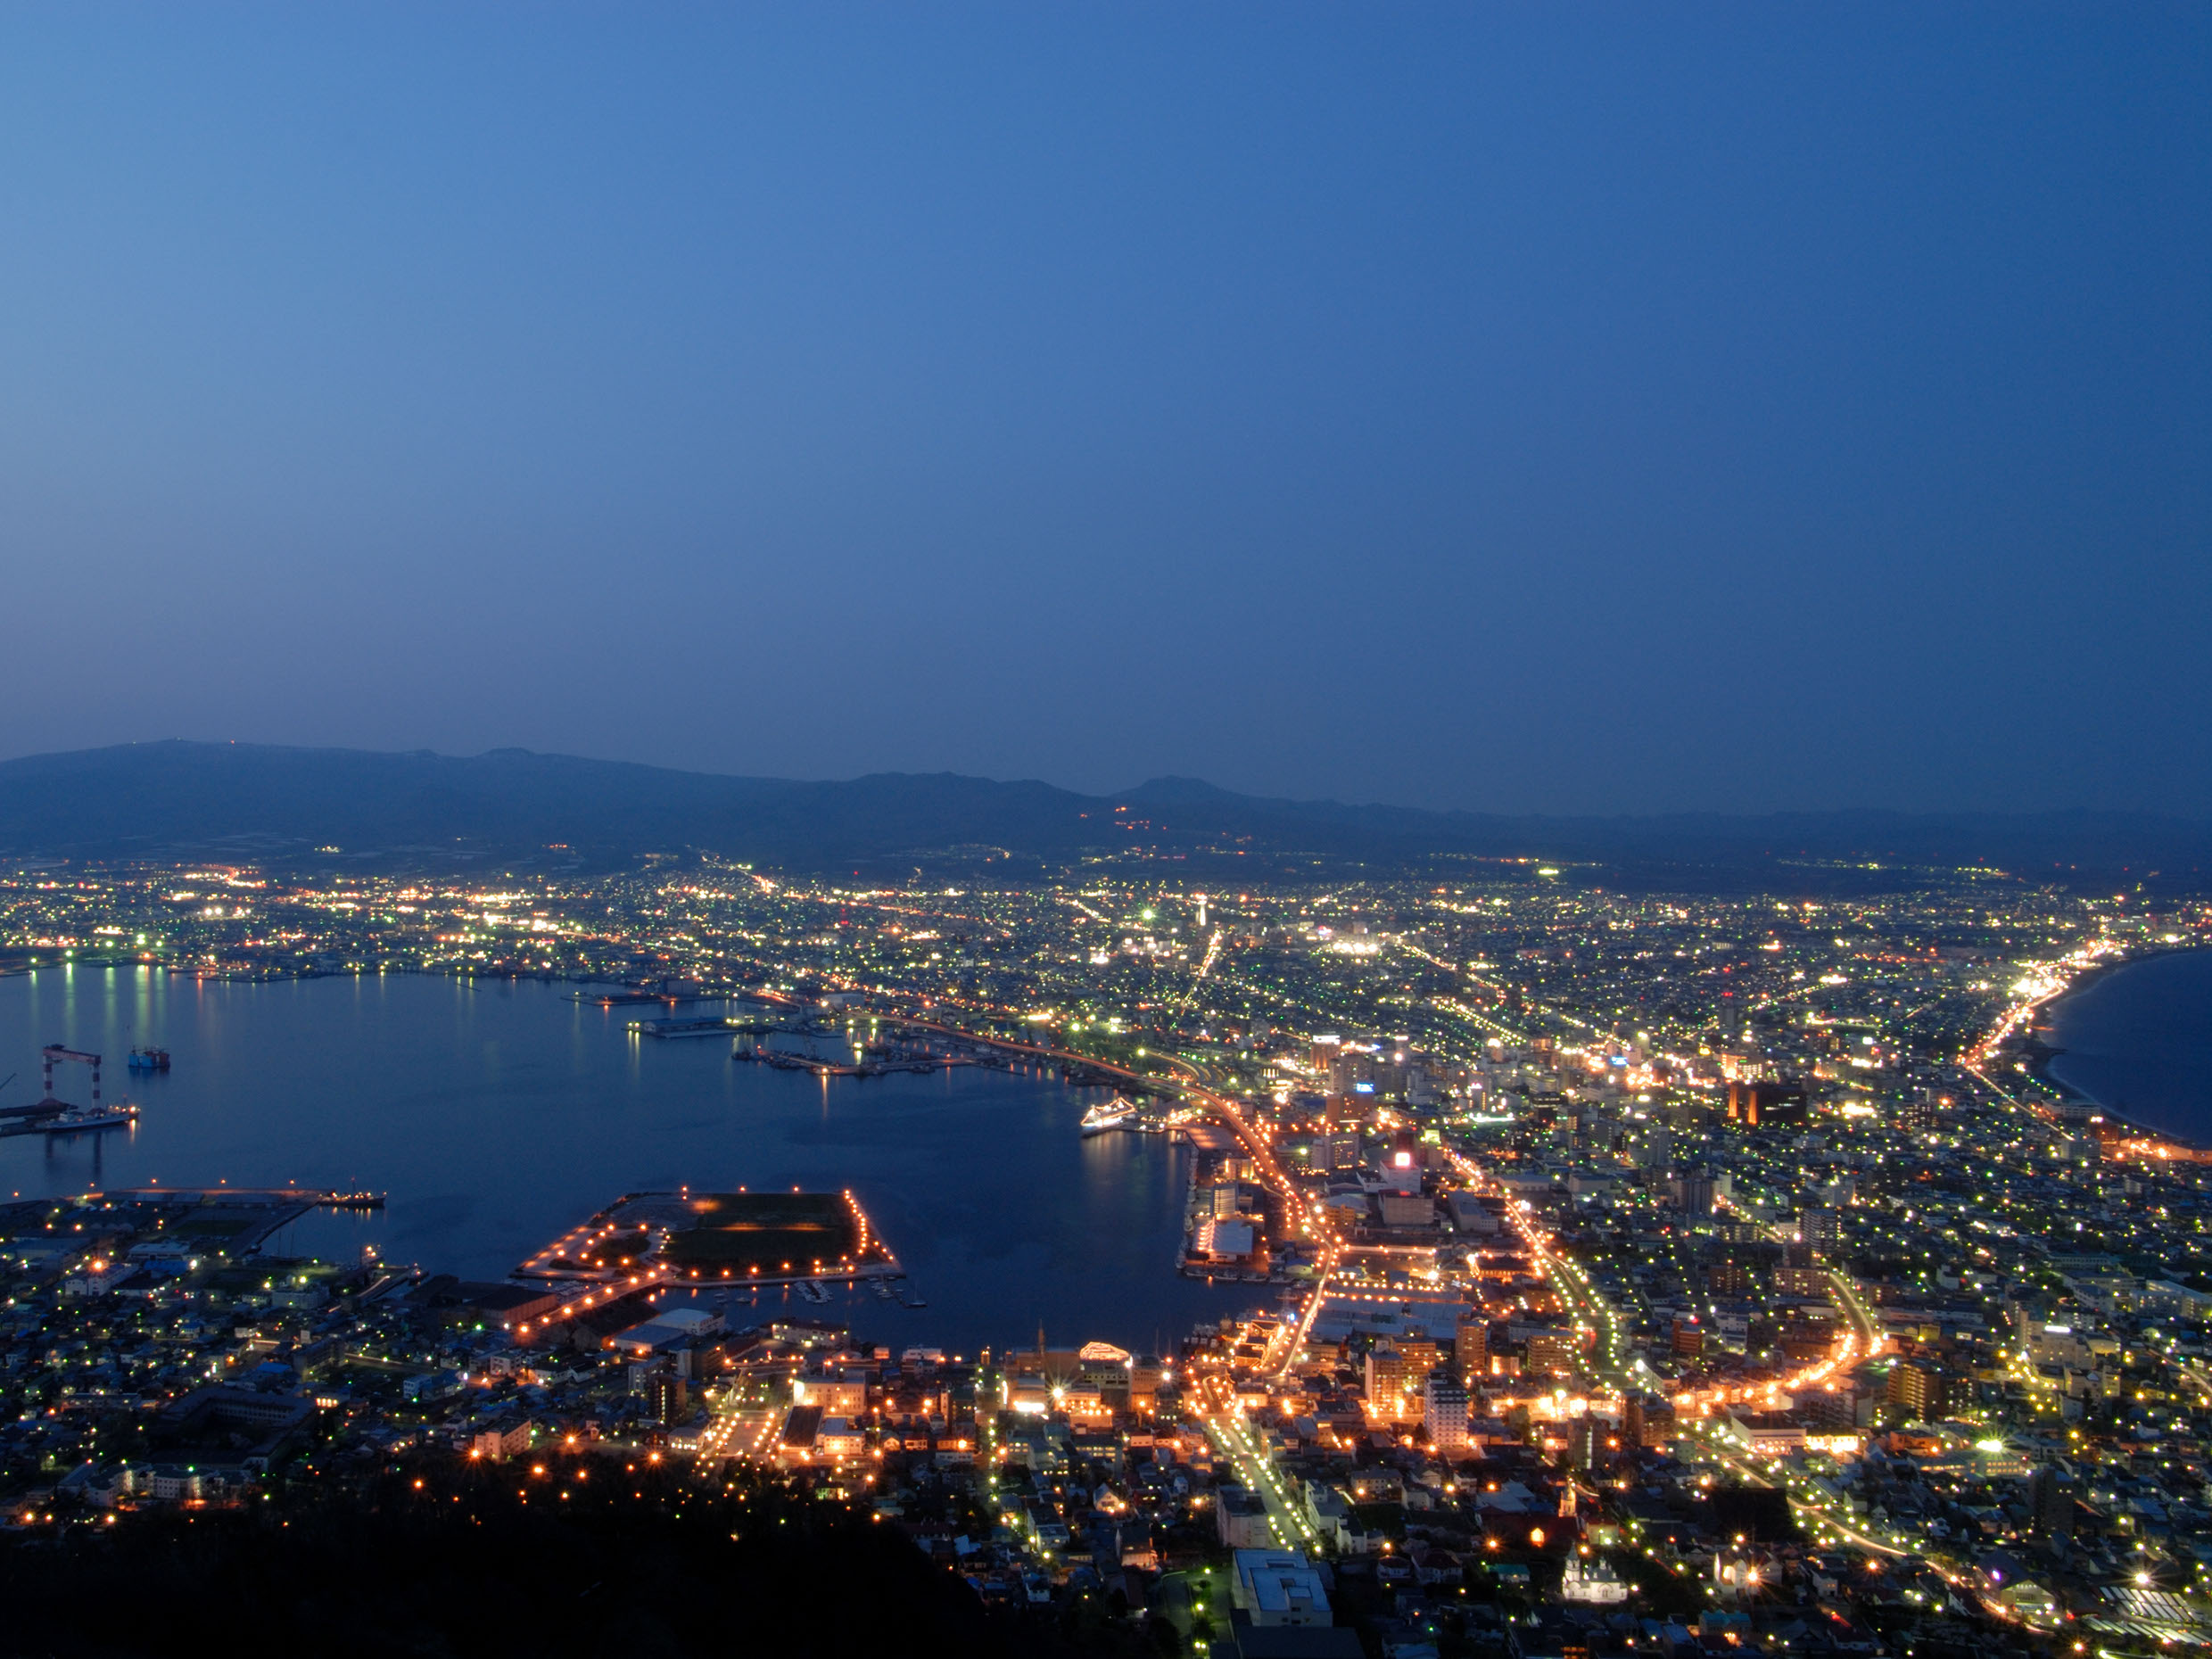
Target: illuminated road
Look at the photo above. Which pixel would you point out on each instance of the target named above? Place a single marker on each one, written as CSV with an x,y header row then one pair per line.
x,y
1291,1337
1699,1436
1222,1416
1213,954
1593,1315
1592,1312
1473,1016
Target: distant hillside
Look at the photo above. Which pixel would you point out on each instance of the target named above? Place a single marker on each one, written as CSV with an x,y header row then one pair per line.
x,y
177,799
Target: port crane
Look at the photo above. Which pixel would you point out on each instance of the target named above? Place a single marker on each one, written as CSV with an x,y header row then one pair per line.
x,y
55,1050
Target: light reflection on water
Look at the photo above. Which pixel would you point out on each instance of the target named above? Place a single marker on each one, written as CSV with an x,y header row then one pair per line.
x,y
495,1115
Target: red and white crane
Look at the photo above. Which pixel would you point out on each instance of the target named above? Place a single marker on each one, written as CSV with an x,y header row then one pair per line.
x,y
55,1050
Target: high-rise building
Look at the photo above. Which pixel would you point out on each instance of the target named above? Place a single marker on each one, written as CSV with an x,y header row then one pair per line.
x,y
1793,1280
1386,1376
1551,1353
1470,1345
1352,1072
1649,1422
1585,1436
2052,1491
1728,1277
1444,1410
1920,1391
667,1396
1420,1355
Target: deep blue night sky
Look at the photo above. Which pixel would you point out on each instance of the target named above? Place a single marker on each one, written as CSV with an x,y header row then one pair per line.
x,y
1608,408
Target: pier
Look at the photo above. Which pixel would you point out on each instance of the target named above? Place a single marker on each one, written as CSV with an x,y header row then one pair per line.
x,y
716,1239
783,1061
667,1029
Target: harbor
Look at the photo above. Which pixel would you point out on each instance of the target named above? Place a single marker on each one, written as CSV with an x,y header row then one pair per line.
x,y
51,1115
497,1114
732,1244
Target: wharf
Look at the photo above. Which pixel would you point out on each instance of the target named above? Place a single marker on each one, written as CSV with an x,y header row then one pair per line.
x,y
639,999
838,1068
55,1123
728,1240
682,1028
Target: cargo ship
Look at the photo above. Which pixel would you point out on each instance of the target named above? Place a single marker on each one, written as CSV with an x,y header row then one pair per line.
x,y
149,1059
1108,1115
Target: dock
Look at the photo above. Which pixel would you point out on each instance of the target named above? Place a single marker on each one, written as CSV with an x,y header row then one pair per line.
x,y
682,1028
783,1061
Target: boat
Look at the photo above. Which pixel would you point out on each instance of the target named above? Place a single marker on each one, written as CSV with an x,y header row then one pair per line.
x,y
149,1059
77,1120
1108,1115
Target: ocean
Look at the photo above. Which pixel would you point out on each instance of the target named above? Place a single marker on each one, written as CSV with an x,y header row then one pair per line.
x,y
2138,1040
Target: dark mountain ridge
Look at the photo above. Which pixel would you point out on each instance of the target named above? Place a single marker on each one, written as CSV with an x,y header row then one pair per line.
x,y
182,799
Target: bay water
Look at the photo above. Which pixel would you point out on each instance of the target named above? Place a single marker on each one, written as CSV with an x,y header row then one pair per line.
x,y
497,1114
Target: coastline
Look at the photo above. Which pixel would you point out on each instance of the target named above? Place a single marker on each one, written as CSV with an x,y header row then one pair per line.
x,y
2039,1053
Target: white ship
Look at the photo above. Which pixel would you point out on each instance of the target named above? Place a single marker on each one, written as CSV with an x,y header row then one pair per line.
x,y
1108,1115
77,1119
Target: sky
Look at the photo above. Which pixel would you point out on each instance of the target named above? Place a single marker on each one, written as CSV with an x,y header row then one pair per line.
x,y
1549,407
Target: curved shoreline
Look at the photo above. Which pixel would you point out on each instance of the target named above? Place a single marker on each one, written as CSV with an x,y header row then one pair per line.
x,y
2042,1053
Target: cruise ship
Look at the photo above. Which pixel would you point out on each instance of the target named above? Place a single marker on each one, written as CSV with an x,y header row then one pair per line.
x,y
1108,1115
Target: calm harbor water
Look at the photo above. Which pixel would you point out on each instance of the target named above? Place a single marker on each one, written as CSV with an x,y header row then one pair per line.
x,y
496,1115
2139,1040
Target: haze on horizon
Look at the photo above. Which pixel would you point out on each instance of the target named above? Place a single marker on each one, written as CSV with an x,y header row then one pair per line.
x,y
1567,408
